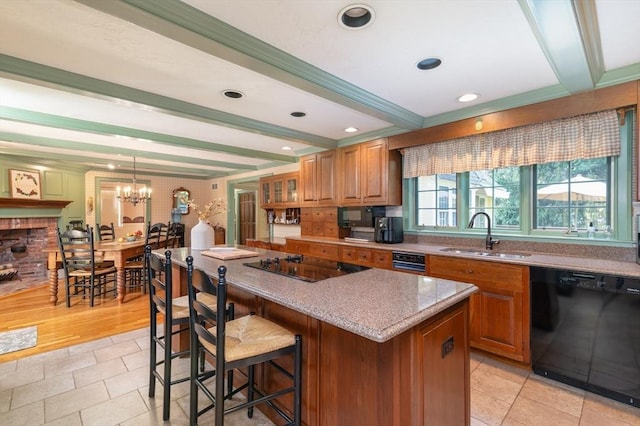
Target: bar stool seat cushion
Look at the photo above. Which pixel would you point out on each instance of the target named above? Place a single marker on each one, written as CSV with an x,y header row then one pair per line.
x,y
181,305
249,336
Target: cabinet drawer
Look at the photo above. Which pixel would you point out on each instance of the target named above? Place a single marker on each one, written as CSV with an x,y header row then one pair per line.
x,y
324,251
317,214
306,228
498,275
348,254
297,247
306,214
317,229
381,259
331,230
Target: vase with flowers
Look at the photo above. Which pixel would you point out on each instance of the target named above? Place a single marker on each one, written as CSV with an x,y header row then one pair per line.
x,y
202,234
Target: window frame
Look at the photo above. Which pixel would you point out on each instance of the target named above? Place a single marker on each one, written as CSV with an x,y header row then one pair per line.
x,y
621,201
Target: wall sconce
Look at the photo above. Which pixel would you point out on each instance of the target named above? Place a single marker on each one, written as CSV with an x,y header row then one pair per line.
x,y
89,204
479,124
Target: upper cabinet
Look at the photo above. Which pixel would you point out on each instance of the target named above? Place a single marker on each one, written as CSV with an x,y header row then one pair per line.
x,y
280,191
318,179
370,174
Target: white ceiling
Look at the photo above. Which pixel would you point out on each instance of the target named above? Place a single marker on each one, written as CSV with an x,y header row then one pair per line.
x,y
90,82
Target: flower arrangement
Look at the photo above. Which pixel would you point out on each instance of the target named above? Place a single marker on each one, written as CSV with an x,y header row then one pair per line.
x,y
212,208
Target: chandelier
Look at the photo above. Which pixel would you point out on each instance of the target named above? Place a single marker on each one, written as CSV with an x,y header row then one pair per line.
x,y
133,195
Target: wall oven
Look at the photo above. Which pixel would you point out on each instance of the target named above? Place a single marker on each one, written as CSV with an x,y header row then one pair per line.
x,y
409,262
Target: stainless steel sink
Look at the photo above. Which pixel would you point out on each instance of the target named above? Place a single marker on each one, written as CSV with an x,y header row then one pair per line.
x,y
484,253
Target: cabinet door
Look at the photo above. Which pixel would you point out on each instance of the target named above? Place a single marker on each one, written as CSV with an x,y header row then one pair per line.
x,y
350,175
443,354
308,171
500,310
278,192
265,193
374,169
291,189
326,178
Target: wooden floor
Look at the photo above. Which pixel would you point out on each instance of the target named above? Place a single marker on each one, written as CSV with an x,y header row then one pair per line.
x,y
59,326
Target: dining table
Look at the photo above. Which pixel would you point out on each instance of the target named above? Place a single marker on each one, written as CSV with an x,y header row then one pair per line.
x,y
116,251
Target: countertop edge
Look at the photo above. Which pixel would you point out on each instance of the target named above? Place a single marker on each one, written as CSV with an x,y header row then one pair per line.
x,y
548,260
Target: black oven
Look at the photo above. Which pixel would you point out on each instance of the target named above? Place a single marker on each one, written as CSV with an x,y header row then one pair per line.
x,y
406,261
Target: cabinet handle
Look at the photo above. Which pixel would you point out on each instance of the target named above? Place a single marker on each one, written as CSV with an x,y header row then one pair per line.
x,y
469,271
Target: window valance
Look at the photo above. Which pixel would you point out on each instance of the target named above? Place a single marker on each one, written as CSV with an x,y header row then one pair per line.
x,y
586,136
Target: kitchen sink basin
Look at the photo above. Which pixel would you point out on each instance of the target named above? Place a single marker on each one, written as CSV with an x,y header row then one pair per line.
x,y
484,253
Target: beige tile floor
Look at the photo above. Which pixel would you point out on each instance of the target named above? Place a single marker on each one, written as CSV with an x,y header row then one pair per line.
x,y
105,382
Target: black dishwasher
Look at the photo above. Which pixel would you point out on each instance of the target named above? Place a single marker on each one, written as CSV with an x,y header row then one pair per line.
x,y
585,331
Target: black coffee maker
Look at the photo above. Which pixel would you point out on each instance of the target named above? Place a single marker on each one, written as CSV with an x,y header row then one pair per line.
x,y
388,230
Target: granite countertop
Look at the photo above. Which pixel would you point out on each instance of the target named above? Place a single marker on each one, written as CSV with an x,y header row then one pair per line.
x,y
376,304
575,263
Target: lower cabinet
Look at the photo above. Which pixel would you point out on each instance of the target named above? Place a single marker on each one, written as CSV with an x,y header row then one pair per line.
x,y
420,377
366,257
500,310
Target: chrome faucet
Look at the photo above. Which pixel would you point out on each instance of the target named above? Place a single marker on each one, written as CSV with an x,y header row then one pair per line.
x,y
489,242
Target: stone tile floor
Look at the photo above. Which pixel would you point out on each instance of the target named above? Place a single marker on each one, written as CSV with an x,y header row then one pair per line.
x,y
105,382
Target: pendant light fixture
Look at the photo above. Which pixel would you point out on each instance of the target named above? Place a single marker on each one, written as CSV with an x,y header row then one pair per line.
x,y
133,195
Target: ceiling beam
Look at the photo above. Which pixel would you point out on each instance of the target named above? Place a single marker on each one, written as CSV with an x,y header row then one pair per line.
x,y
192,27
567,31
60,122
45,76
89,149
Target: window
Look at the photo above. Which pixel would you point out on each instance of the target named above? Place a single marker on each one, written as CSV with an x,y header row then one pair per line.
x,y
436,200
497,193
550,177
572,194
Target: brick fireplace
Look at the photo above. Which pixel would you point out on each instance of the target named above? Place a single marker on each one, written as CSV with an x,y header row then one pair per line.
x,y
34,234
28,236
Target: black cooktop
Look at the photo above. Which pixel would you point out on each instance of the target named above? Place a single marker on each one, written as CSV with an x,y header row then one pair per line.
x,y
309,269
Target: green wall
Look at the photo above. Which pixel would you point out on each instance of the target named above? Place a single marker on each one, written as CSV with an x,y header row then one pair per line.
x,y
56,184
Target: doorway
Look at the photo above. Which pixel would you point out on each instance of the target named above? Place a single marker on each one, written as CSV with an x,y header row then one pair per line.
x,y
246,216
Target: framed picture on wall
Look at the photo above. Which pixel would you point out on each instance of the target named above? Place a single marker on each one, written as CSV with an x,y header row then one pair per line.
x,y
25,184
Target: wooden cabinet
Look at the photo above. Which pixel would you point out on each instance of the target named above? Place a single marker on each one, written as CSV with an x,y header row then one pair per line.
x,y
408,380
500,311
279,191
370,174
318,179
320,222
366,256
297,247
324,251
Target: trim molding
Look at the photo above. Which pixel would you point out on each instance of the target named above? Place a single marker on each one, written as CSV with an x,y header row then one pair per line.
x,y
622,95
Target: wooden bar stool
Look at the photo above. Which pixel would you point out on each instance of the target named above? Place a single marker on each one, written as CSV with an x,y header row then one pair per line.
x,y
247,341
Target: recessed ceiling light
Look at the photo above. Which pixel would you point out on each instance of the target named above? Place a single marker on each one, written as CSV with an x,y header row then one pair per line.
x,y
350,129
233,94
429,63
286,148
111,166
468,97
298,114
356,16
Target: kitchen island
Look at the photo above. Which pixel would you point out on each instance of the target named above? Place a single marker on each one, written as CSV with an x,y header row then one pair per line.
x,y
380,347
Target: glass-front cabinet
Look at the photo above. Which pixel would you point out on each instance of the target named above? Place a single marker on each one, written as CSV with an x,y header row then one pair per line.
x,y
279,191
265,190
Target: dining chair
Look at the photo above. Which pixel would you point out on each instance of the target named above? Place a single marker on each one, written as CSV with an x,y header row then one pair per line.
x,y
237,343
169,316
135,269
83,270
106,232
